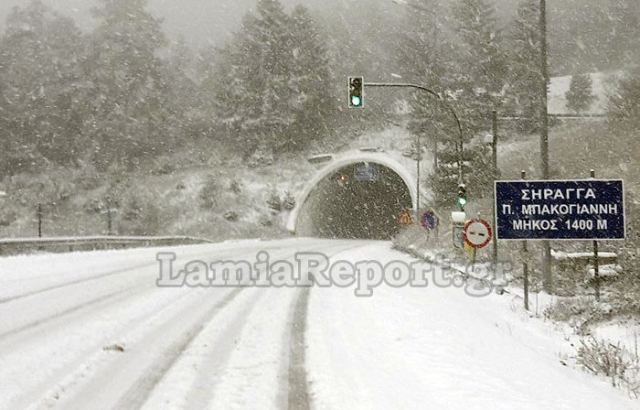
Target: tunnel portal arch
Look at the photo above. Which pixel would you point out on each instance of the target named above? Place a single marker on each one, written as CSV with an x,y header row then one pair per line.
x,y
317,203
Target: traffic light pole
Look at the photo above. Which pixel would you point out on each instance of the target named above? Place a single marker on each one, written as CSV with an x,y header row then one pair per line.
x,y
460,146
494,152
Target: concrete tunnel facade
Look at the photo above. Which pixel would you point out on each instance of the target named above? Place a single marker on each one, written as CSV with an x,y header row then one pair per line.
x,y
334,204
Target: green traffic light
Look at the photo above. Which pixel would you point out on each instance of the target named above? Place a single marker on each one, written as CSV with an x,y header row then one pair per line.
x,y
356,101
462,202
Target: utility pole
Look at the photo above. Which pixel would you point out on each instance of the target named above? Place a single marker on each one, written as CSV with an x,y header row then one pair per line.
x,y
544,136
494,149
109,222
39,215
525,261
418,158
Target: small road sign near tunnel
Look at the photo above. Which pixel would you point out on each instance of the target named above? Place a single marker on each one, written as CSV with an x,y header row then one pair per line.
x,y
555,210
477,233
429,220
405,218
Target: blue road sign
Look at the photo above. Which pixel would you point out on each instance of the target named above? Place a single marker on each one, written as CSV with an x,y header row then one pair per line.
x,y
429,220
366,173
555,210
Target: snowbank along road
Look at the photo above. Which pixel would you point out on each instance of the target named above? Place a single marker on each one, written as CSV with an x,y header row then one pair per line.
x,y
94,331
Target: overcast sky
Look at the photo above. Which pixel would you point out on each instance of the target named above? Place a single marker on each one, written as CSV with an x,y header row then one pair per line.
x,y
199,21
204,22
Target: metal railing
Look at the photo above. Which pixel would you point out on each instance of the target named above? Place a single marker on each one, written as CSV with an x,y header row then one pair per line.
x,y
14,246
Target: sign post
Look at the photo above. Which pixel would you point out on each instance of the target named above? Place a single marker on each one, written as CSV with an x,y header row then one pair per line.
x,y
596,262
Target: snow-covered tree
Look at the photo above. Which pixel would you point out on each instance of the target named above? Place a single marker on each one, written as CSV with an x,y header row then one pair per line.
x,y
526,74
580,94
624,23
482,60
624,105
423,53
41,95
311,81
271,81
480,83
130,110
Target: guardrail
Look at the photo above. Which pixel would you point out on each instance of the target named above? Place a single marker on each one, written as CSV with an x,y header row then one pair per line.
x,y
13,246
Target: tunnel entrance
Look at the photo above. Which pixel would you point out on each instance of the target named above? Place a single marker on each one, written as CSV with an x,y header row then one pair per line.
x,y
362,200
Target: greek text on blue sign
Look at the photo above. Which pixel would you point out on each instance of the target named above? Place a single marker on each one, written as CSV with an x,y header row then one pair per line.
x,y
556,210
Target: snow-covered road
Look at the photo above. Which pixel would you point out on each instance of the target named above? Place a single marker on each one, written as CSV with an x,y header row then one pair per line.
x,y
63,319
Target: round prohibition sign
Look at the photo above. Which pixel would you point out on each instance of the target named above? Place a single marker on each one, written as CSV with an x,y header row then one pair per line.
x,y
477,233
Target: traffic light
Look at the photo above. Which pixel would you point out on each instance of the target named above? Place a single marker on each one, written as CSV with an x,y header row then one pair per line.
x,y
356,92
462,196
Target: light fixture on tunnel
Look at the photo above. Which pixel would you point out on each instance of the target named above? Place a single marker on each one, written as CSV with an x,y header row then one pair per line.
x,y
342,179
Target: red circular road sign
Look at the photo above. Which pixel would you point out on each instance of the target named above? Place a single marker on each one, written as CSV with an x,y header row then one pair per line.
x,y
477,233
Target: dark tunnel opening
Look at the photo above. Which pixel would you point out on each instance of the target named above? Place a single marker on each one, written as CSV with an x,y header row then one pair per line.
x,y
359,201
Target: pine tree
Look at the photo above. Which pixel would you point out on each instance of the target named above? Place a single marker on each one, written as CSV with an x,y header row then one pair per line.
x,y
273,29
624,23
311,82
41,96
235,82
272,82
580,94
624,106
483,59
526,75
252,93
424,54
480,82
130,108
426,57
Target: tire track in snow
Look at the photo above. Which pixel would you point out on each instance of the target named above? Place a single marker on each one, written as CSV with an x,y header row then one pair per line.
x,y
96,301
74,282
225,342
298,397
85,359
100,304
102,276
104,298
213,364
298,382
139,392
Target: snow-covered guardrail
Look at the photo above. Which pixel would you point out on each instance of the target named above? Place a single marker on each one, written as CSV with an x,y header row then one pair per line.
x,y
12,246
